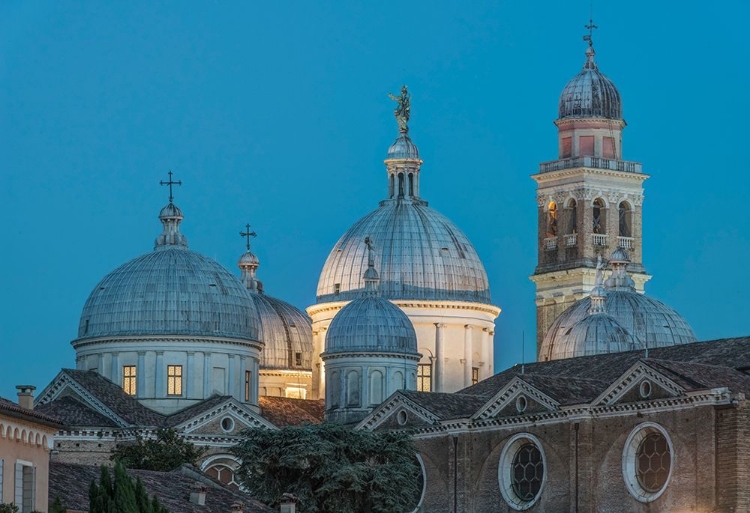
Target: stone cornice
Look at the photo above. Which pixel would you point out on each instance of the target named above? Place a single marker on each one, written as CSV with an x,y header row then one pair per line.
x,y
81,343
550,176
370,354
413,303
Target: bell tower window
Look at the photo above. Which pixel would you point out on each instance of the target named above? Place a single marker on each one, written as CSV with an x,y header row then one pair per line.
x,y
552,220
598,221
626,220
572,215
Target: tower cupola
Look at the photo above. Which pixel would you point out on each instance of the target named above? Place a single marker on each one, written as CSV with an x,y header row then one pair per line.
x,y
403,163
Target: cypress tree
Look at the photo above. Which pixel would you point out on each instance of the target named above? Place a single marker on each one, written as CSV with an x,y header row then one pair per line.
x,y
124,493
141,498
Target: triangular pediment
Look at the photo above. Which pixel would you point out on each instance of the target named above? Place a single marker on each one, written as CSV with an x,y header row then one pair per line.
x,y
398,412
517,397
63,385
226,418
639,383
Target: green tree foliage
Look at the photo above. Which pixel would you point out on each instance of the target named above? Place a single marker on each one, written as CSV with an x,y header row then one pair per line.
x,y
8,508
331,468
56,506
167,452
120,495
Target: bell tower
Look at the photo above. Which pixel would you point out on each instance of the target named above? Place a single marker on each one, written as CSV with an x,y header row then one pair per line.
x,y
589,200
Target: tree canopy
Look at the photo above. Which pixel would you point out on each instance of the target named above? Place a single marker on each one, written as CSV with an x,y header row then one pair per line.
x,y
121,495
331,468
167,452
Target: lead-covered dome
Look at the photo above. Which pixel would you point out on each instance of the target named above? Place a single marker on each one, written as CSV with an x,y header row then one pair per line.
x,y
170,291
649,322
590,94
420,253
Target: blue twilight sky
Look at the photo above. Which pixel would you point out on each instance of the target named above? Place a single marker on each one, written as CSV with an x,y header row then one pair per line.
x,y
276,113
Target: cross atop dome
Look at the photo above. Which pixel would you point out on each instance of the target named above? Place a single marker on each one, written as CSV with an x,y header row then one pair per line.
x,y
170,183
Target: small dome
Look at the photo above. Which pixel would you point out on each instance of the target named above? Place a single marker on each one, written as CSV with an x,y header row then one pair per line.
x,y
248,259
619,255
420,255
403,148
172,291
594,334
590,94
171,211
371,324
287,332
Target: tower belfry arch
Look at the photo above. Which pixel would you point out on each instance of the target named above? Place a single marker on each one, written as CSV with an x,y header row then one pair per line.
x,y
582,195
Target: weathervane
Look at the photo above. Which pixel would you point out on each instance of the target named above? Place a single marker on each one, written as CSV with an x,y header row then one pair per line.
x,y
247,234
403,110
170,183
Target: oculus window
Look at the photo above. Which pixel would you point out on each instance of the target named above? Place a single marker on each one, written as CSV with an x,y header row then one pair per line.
x,y
521,474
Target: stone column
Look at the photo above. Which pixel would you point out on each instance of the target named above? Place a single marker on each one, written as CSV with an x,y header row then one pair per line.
x,y
100,364
491,363
206,375
114,372
189,376
439,356
159,375
468,354
140,375
231,389
244,397
486,353
322,368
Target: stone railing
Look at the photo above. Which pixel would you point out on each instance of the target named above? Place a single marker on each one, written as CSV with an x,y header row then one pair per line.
x,y
571,240
592,162
550,243
625,242
599,239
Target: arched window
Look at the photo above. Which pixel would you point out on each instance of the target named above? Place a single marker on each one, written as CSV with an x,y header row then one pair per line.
x,y
598,222
552,220
397,381
391,186
572,217
411,184
401,184
334,389
626,220
376,387
352,388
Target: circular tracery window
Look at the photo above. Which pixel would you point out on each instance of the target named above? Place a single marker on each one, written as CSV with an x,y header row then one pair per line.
x,y
647,461
521,472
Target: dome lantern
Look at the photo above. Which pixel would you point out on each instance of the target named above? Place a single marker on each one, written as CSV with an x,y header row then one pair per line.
x,y
403,162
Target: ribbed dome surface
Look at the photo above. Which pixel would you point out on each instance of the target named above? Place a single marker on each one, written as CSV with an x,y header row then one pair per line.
x,y
403,148
590,94
171,291
371,324
419,253
651,323
286,331
594,334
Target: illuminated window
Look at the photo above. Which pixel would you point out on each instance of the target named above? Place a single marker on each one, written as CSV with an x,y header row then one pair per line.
x,y
128,379
474,375
424,377
174,379
598,217
248,377
552,220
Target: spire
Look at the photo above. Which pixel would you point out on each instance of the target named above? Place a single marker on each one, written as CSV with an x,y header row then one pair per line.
x,y
620,279
170,217
249,263
371,277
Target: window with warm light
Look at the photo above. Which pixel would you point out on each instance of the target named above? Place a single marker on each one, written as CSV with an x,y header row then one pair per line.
x,y
424,377
128,379
474,375
174,379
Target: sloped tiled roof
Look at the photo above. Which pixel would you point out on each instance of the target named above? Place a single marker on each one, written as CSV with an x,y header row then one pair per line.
x,y
14,410
71,483
285,411
446,406
74,413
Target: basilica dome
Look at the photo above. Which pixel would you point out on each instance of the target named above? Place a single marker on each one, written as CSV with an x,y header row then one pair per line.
x,y
170,291
649,322
590,94
371,323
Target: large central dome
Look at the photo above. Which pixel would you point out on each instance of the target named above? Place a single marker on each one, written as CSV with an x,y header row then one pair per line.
x,y
420,253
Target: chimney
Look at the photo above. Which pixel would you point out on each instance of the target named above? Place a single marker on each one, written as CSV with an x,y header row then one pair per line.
x,y
26,396
237,507
288,503
198,494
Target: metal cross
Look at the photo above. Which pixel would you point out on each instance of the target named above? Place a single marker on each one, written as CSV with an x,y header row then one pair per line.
x,y
590,28
247,234
170,183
